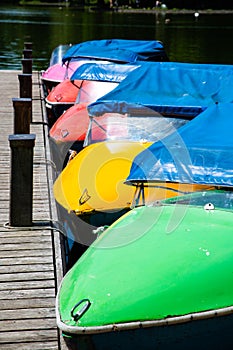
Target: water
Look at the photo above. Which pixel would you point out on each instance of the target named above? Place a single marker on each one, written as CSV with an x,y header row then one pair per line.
x,y
207,39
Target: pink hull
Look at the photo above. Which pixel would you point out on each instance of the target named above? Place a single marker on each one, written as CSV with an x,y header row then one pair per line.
x,y
58,72
72,125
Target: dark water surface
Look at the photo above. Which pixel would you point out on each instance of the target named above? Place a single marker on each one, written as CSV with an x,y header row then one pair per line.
x,y
207,39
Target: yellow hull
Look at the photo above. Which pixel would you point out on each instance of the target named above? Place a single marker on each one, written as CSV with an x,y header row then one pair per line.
x,y
94,179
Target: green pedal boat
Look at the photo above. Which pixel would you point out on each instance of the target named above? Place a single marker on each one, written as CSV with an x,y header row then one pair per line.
x,y
160,277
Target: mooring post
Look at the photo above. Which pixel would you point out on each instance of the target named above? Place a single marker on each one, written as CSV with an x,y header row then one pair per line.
x,y
27,65
28,45
21,192
22,115
27,53
25,85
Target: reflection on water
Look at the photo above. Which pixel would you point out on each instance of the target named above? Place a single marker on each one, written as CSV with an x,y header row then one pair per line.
x,y
186,39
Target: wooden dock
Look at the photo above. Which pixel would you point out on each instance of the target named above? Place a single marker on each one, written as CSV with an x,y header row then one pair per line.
x,y
31,265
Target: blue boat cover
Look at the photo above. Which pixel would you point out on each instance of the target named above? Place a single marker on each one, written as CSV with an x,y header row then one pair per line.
x,y
200,152
184,88
111,72
118,50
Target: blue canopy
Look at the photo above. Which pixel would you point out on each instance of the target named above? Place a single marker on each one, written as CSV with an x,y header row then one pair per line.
x,y
118,50
111,72
200,152
169,87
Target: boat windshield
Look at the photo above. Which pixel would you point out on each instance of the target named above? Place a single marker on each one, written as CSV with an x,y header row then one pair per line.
x,y
221,199
91,90
57,54
146,126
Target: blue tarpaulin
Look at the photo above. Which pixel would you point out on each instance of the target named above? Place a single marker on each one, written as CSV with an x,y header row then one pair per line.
x,y
118,50
103,72
200,152
169,87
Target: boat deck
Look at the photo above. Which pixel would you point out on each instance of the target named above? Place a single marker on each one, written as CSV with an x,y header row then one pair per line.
x,y
31,264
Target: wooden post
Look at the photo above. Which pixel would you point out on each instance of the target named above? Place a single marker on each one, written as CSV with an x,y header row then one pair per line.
x,y
22,115
21,193
28,45
27,53
27,65
25,85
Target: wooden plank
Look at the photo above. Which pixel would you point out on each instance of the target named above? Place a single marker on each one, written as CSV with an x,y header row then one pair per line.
x,y
27,304
21,285
37,335
24,314
26,293
41,275
51,345
26,239
27,246
32,324
23,252
26,269
13,233
26,260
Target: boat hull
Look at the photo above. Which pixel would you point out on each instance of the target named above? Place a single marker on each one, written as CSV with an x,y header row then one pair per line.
x,y
58,72
162,274
208,333
94,179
